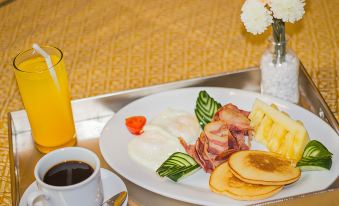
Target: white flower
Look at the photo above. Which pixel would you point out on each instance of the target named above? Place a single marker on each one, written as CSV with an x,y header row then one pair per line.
x,y
255,16
288,10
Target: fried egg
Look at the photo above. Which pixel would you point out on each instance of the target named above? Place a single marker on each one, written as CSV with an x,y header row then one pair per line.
x,y
160,137
178,124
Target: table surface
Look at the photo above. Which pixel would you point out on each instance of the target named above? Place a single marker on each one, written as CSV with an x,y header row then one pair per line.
x,y
123,44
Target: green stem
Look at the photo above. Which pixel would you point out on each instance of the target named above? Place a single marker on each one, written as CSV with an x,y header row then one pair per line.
x,y
279,39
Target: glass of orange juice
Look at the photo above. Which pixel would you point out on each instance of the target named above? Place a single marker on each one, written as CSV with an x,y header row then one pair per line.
x,y
46,98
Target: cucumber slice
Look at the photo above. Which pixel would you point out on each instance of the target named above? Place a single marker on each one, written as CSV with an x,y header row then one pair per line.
x,y
178,176
174,162
176,171
311,168
181,160
164,171
316,149
205,108
314,163
315,157
185,157
177,166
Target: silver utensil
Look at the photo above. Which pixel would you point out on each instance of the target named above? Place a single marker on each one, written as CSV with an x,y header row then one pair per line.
x,y
116,200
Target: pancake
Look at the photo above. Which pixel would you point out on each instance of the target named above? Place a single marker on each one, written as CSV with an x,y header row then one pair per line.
x,y
265,168
223,181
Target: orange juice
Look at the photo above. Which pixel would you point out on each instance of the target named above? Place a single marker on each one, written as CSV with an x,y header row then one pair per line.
x,y
46,101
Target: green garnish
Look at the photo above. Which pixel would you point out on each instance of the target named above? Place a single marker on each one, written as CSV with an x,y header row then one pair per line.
x,y
315,149
311,163
205,108
178,166
315,157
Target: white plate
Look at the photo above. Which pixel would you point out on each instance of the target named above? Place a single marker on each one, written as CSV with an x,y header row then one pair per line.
x,y
111,183
194,189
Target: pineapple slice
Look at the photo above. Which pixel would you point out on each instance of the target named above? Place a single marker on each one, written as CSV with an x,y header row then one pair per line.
x,y
287,147
279,132
263,130
277,137
256,117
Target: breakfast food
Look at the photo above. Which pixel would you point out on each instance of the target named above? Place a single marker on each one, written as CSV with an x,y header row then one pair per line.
x,y
177,123
224,135
223,147
178,166
205,108
135,124
160,137
315,157
223,181
265,168
280,133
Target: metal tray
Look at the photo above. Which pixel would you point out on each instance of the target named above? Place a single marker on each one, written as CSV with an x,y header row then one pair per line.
x,y
91,114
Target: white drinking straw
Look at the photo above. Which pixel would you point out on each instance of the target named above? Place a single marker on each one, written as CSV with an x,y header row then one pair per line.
x,y
49,63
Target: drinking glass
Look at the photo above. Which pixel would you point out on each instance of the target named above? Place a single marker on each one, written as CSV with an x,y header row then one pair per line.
x,y
46,98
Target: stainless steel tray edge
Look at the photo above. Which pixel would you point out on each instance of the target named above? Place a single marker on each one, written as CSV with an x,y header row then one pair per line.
x,y
320,108
14,174
314,94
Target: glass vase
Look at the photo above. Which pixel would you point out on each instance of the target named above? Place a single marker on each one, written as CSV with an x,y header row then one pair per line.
x,y
280,68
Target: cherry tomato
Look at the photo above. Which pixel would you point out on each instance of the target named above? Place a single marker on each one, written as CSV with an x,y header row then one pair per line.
x,y
135,124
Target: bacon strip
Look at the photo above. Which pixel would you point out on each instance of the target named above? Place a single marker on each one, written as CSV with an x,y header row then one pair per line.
x,y
221,138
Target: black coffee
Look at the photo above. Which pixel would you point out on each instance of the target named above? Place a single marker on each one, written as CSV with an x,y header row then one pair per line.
x,y
68,173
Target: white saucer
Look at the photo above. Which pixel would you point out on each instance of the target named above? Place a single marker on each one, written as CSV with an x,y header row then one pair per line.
x,y
111,183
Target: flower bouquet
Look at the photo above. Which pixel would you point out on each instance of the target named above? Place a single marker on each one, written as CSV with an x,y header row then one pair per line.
x,y
279,66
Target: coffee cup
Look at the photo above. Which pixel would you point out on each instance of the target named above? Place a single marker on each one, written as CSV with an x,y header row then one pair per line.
x,y
68,176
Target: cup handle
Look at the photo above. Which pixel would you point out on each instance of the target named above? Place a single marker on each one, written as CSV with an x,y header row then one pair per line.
x,y
34,195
